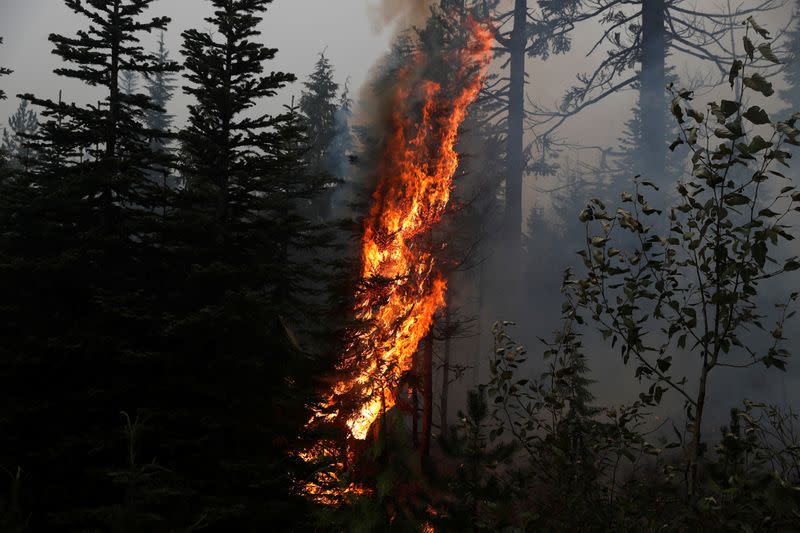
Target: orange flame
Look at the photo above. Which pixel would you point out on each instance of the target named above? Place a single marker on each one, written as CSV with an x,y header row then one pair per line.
x,y
402,287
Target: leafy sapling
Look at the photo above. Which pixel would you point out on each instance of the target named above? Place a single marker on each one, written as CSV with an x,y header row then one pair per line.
x,y
694,290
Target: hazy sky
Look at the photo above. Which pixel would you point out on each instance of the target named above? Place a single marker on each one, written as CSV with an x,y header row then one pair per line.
x,y
300,29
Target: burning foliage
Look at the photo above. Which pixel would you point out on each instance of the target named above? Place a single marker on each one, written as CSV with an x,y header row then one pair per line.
x,y
401,285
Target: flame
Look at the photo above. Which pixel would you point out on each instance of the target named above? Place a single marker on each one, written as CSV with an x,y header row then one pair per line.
x,y
401,287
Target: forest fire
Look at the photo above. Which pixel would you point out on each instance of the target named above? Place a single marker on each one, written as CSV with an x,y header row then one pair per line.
x,y
401,287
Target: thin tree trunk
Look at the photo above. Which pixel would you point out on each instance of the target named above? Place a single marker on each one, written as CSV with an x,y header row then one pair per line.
x,y
427,396
516,110
695,451
476,356
652,92
415,418
113,119
445,374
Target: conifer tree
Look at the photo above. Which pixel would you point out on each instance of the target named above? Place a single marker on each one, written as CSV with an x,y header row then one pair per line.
x,y
343,142
318,104
80,319
129,82
3,72
791,94
241,280
319,108
21,126
160,88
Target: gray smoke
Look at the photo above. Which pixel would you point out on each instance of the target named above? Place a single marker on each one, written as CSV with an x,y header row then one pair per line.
x,y
403,13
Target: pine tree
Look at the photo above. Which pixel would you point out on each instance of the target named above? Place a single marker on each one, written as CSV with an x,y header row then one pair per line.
x,y
22,125
319,108
634,157
241,284
80,274
343,143
3,72
129,82
160,87
791,94
318,105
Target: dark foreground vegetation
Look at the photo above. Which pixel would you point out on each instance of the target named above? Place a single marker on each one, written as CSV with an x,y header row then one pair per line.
x,y
173,298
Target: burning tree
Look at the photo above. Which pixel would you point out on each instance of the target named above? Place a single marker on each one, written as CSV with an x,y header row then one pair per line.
x,y
402,285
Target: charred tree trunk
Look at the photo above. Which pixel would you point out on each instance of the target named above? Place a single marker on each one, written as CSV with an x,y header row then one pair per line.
x,y
427,397
415,418
516,110
445,374
652,91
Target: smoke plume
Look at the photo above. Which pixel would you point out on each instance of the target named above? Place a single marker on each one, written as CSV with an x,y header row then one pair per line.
x,y
402,13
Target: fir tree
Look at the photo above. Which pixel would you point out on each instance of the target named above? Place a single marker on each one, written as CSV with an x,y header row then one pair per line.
x,y
319,108
791,94
3,72
318,105
22,125
343,143
129,82
160,87
80,273
240,279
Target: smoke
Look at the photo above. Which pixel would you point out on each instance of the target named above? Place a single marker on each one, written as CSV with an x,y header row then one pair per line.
x,y
402,13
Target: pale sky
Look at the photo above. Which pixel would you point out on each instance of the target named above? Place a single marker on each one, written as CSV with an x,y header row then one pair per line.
x,y
300,29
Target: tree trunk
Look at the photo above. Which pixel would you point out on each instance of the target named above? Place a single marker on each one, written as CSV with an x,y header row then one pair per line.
x,y
695,451
478,348
415,418
445,374
516,110
427,397
113,119
652,91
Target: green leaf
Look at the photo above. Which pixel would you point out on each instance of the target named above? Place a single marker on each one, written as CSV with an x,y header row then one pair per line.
x,y
758,143
729,107
791,265
677,112
757,82
696,115
749,47
760,253
756,115
759,30
735,198
768,54
736,68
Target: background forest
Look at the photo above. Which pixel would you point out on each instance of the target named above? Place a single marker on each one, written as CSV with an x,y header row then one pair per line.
x,y
181,256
